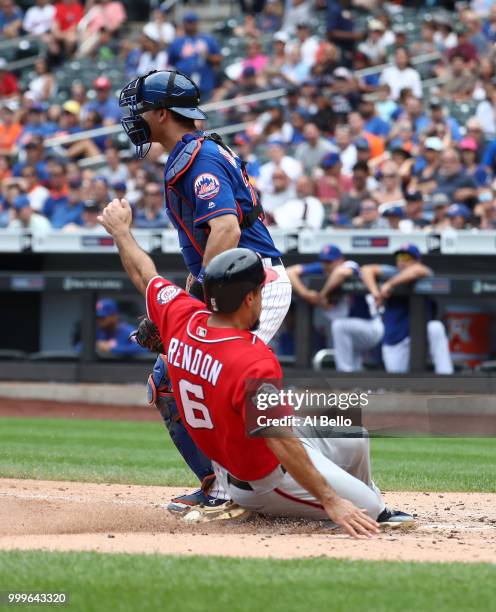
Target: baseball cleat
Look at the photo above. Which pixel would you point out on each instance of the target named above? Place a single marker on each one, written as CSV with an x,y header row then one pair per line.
x,y
223,512
183,503
395,519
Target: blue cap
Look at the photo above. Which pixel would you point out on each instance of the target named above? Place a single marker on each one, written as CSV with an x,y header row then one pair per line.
x,y
106,307
21,201
409,249
362,143
458,210
330,160
394,211
330,253
248,71
119,186
190,17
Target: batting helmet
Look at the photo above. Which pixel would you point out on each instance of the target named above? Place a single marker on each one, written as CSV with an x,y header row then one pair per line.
x,y
231,275
158,89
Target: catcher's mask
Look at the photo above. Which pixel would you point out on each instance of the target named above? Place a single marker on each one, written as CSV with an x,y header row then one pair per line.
x,y
168,89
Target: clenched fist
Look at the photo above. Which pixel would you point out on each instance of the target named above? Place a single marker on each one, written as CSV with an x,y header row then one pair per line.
x,y
117,216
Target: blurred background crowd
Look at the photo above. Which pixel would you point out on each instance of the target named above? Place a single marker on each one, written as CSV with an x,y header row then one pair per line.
x,y
349,113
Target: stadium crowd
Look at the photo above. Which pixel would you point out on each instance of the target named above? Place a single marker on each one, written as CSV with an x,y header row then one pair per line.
x,y
366,136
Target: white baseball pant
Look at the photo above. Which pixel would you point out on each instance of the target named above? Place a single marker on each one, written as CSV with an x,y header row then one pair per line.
x,y
351,338
396,357
276,300
343,462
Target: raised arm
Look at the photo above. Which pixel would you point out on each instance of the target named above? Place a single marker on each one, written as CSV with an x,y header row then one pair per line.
x,y
116,218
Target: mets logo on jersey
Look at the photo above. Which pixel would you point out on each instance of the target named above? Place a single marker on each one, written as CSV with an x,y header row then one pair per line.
x,y
206,186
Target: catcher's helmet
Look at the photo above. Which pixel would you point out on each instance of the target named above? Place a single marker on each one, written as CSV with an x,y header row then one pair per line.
x,y
158,89
231,275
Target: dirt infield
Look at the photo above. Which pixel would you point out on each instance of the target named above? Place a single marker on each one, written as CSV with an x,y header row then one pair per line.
x,y
128,518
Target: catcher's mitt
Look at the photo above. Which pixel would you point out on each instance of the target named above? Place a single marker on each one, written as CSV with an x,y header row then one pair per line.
x,y
148,336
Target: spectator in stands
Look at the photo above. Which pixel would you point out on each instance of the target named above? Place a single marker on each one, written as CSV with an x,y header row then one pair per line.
x,y
459,79
10,191
307,43
374,46
303,212
444,37
152,214
401,75
296,11
44,85
63,37
344,95
105,104
99,190
197,55
69,210
8,81
159,28
486,110
346,148
107,15
474,31
10,19
152,54
393,215
439,204
349,203
39,18
359,132
294,71
341,29
470,161
385,106
459,216
373,123
282,190
415,218
427,165
311,152
26,218
332,184
389,190
58,188
485,210
36,193
489,25
277,158
112,334
464,46
323,114
427,43
258,61
244,148
452,180
368,216
440,117
114,170
10,130
89,218
34,156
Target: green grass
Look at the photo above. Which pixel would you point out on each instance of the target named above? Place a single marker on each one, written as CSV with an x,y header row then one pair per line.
x,y
142,453
139,582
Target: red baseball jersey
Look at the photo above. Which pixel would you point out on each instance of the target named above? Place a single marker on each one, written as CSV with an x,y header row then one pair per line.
x,y
208,368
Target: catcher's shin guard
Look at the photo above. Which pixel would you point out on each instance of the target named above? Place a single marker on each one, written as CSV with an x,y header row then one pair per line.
x,y
160,395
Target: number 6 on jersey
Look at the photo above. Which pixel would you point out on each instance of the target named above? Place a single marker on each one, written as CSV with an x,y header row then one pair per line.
x,y
190,406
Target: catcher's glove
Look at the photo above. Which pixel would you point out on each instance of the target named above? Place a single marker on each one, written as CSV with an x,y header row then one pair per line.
x,y
148,336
